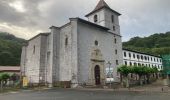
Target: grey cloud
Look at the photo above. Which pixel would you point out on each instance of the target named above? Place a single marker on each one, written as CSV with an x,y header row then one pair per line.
x,y
59,11
27,19
8,14
145,18
139,17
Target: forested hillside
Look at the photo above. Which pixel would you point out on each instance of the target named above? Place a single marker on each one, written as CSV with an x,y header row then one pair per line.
x,y
156,44
10,49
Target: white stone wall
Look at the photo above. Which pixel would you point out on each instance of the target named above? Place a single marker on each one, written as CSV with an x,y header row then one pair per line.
x,y
23,60
104,19
55,53
43,54
87,34
32,65
65,53
101,17
53,56
33,59
49,58
108,21
74,52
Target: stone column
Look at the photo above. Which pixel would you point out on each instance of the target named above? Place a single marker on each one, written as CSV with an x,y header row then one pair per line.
x,y
74,52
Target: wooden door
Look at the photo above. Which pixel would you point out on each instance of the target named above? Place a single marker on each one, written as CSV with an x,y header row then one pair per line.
x,y
97,74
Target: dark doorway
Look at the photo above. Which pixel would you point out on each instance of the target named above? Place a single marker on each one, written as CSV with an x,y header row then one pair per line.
x,y
97,74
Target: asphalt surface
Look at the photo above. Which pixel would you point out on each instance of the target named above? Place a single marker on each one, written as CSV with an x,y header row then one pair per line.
x,y
72,94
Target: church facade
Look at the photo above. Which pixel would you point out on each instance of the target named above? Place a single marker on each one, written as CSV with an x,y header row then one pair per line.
x,y
80,51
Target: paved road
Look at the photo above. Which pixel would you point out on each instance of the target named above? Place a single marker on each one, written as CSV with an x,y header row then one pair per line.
x,y
70,94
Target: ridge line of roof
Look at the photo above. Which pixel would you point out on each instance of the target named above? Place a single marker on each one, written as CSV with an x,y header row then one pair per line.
x,y
45,34
88,22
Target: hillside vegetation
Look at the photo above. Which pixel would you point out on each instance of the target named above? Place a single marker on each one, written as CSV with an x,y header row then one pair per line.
x,y
10,49
156,44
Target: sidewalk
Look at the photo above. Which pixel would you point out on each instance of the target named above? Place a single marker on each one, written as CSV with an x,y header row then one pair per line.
x,y
154,87
134,89
146,89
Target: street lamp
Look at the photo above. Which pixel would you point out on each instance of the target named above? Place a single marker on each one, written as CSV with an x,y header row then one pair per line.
x,y
109,63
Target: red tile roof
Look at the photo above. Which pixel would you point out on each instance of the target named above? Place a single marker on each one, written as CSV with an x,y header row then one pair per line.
x,y
9,68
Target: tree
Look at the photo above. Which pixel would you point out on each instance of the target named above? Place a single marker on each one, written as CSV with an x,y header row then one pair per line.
x,y
125,70
10,49
140,71
155,70
14,77
156,44
4,77
6,57
143,72
147,72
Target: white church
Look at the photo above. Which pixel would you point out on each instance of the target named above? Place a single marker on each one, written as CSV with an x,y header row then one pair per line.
x,y
81,51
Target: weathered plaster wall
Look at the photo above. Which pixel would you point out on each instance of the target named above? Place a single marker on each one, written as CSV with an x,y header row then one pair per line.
x,y
65,53
23,60
43,53
108,21
32,65
55,54
86,36
101,17
48,59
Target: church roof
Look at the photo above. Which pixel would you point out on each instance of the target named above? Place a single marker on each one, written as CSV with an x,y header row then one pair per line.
x,y
100,5
44,34
90,23
9,68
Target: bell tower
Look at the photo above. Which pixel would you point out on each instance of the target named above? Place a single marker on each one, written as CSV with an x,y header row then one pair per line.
x,y
105,16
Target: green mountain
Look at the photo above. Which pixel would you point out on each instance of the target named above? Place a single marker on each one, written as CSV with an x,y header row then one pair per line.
x,y
156,44
10,49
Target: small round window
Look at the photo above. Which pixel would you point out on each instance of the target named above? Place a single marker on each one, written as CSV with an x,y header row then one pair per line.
x,y
96,43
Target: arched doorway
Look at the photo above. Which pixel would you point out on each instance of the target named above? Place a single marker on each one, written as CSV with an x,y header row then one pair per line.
x,y
97,74
97,69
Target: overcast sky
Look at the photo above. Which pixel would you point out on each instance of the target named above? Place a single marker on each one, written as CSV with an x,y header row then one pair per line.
x,y
26,18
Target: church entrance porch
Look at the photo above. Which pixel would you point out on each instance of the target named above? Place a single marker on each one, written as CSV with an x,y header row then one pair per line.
x,y
97,69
